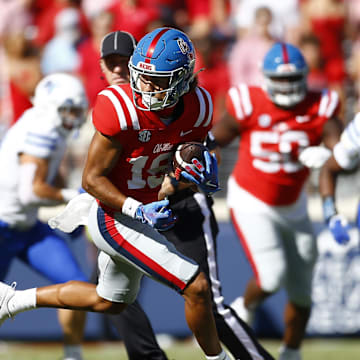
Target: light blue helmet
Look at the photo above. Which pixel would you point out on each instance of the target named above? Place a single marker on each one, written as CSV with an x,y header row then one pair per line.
x,y
285,70
164,52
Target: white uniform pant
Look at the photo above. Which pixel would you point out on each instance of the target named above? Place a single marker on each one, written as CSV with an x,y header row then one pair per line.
x,y
278,241
129,250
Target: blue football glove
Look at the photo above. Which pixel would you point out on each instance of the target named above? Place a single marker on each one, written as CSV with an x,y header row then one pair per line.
x,y
339,226
157,215
205,178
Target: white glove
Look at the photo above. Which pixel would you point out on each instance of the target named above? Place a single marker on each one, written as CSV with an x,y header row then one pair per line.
x,y
314,156
75,214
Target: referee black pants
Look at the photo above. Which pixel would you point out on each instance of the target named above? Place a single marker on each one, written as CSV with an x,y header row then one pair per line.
x,y
194,235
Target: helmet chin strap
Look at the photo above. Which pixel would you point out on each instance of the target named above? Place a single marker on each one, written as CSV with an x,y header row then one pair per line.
x,y
193,76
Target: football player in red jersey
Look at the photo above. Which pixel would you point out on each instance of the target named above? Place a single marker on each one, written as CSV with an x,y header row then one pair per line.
x,y
266,193
137,127
133,325
197,242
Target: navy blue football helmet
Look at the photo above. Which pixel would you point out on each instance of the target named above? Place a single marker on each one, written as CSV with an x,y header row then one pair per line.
x,y
285,70
163,53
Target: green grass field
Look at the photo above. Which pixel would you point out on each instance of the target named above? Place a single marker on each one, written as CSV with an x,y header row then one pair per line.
x,y
317,349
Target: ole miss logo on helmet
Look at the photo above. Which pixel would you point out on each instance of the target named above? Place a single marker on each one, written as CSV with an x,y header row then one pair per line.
x,y
183,46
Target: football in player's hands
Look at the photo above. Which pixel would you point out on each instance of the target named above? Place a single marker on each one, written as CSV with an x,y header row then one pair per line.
x,y
189,157
192,162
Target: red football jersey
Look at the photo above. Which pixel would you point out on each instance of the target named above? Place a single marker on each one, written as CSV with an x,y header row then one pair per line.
x,y
272,139
147,142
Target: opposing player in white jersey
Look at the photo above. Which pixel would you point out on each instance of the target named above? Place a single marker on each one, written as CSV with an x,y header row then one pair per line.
x,y
345,157
137,127
266,192
30,156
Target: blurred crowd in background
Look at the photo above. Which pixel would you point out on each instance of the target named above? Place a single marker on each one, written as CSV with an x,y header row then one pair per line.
x,y
39,37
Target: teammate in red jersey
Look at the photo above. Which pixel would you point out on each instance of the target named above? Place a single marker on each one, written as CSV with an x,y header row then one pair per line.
x,y
137,128
266,192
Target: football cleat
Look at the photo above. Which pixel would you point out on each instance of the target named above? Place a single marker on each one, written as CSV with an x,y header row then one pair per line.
x,y
286,353
6,293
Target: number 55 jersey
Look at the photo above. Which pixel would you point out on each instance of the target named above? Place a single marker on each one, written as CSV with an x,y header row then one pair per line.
x,y
272,139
